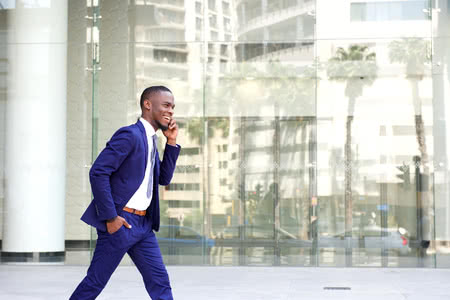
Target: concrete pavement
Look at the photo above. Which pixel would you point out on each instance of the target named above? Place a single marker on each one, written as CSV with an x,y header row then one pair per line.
x,y
56,282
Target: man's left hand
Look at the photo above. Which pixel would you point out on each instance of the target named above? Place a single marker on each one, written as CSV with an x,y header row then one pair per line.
x,y
171,133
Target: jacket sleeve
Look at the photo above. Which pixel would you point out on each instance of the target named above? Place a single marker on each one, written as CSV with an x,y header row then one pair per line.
x,y
168,163
108,161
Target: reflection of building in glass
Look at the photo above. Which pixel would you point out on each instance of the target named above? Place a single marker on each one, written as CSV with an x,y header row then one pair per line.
x,y
281,104
273,151
285,27
174,58
162,22
379,146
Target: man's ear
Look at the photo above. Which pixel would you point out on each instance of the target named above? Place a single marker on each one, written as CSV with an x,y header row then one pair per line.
x,y
148,104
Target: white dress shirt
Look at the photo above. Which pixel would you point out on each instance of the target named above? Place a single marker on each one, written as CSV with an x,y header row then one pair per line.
x,y
139,200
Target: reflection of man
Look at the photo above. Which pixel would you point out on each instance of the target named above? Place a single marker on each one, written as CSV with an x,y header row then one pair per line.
x,y
125,209
266,206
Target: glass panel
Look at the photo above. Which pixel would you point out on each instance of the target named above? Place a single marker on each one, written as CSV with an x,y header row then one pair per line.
x,y
441,93
3,103
375,173
182,202
82,57
120,86
373,19
153,21
305,141
286,20
261,139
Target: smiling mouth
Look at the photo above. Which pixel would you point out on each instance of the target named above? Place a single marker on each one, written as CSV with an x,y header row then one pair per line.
x,y
167,118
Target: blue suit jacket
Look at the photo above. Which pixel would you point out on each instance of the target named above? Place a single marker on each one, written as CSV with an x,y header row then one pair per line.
x,y
118,172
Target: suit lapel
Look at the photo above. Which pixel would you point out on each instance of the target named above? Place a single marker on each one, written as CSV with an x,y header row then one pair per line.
x,y
144,138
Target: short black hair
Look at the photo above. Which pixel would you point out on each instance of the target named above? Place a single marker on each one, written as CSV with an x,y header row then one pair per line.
x,y
152,90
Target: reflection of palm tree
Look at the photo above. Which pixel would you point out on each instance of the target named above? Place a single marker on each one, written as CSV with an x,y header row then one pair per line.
x,y
357,67
334,201
414,53
284,86
202,130
196,130
195,126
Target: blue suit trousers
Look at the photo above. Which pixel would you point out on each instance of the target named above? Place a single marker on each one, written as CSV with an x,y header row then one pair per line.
x,y
141,245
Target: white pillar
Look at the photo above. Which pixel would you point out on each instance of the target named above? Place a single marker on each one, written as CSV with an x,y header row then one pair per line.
x,y
35,155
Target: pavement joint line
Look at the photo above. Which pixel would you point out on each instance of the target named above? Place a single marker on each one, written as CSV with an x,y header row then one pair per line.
x,y
337,288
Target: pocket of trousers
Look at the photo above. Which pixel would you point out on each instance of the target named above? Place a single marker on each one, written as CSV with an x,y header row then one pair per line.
x,y
119,239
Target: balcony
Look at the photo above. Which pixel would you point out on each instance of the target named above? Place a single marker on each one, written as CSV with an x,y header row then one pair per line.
x,y
274,18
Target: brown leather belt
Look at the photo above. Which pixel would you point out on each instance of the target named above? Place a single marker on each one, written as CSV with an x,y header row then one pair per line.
x,y
135,211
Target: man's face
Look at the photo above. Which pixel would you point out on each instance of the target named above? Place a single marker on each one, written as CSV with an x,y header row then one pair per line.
x,y
162,104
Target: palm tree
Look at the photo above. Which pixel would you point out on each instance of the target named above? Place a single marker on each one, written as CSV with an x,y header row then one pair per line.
x,y
355,66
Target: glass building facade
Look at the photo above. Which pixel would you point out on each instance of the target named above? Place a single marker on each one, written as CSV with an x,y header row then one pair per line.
x,y
313,132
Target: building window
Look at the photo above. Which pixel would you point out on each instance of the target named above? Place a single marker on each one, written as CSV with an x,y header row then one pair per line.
x,y
224,50
198,7
169,16
222,148
213,20
227,24
198,23
388,11
226,8
212,4
183,203
190,151
187,169
279,5
169,56
183,187
223,66
214,35
223,164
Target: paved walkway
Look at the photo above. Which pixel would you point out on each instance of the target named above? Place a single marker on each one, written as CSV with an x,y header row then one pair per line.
x,y
56,282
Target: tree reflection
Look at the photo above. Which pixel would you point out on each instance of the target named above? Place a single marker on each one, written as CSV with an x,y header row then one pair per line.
x,y
415,54
357,67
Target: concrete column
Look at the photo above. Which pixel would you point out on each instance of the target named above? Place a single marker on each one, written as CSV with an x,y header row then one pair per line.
x,y
35,154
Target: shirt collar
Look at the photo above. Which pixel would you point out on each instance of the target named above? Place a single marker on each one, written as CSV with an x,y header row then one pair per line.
x,y
149,131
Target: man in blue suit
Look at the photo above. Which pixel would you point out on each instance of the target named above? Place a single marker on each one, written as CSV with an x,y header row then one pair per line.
x,y
125,207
